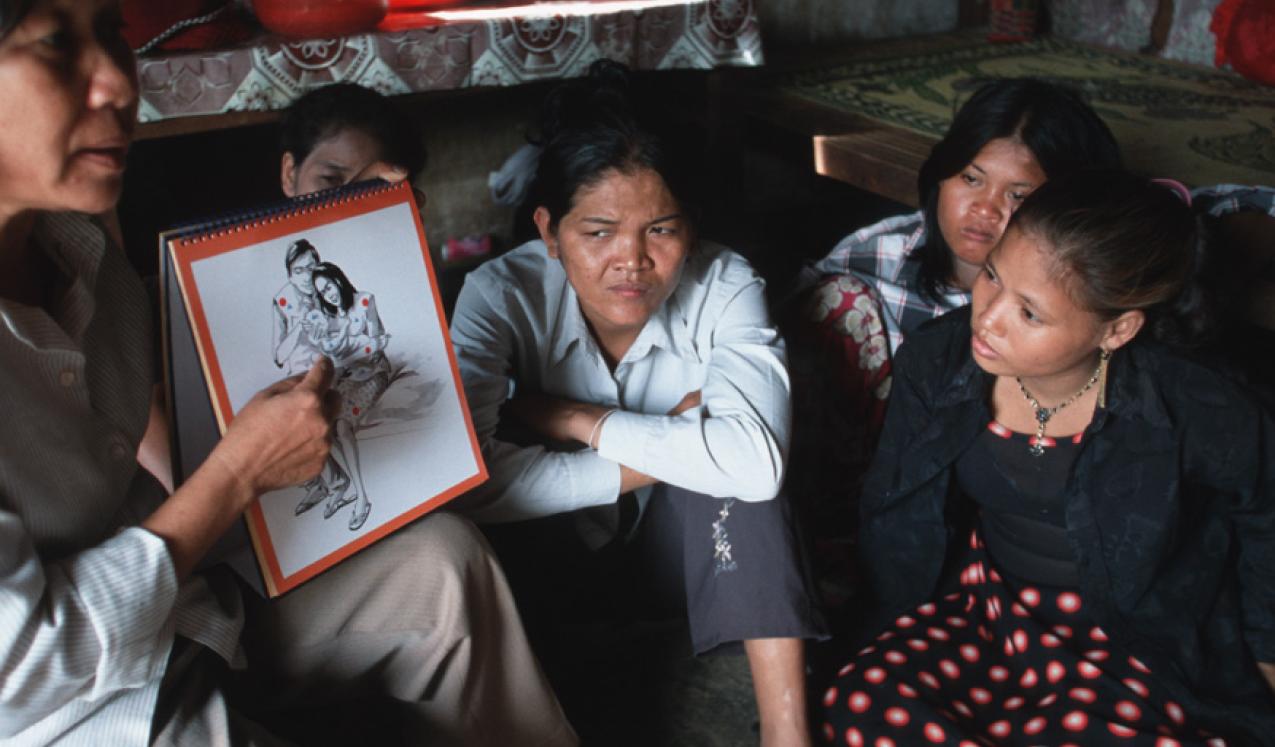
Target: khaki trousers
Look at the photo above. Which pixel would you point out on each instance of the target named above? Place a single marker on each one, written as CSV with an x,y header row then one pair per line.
x,y
415,640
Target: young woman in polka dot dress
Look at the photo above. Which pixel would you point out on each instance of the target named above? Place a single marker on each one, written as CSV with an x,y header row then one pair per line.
x,y
1104,507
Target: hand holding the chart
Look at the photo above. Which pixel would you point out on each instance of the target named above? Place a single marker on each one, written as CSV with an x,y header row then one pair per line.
x,y
282,436
386,171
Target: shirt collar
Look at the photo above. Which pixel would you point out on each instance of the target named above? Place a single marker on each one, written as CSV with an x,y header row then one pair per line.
x,y
667,329
76,246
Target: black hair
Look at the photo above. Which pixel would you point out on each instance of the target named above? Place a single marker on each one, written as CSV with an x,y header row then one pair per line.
x,y
1122,242
11,13
1053,122
331,272
325,112
589,127
296,250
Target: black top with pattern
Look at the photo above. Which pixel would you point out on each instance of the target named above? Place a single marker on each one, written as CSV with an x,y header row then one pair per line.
x,y
1020,500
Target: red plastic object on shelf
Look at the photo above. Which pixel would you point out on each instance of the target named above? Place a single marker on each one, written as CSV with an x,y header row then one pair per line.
x,y
414,14
308,19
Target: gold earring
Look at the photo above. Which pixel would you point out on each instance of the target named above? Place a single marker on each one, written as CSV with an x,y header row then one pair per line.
x,y
1104,355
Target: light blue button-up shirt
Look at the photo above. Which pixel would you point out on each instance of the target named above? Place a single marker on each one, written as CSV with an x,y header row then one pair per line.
x,y
518,324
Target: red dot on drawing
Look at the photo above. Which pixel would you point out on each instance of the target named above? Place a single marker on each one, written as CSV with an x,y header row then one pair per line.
x,y
365,302
283,302
368,349
357,410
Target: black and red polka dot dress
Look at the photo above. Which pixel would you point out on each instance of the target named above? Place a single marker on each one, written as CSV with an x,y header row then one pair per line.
x,y
1007,658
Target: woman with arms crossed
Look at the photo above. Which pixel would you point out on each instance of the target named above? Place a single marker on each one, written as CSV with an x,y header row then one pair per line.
x,y
624,334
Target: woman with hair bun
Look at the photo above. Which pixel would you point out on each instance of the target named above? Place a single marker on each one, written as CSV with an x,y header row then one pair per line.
x,y
1070,523
651,389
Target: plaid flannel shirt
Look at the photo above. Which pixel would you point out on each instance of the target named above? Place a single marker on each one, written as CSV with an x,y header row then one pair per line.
x,y
881,256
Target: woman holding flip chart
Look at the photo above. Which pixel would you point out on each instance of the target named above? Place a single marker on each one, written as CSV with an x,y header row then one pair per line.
x,y
106,634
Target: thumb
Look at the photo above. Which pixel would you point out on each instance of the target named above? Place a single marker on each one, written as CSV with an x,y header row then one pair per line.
x,y
319,377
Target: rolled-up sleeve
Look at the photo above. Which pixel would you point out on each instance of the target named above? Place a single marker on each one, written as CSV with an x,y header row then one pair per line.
x,y
85,626
735,444
524,482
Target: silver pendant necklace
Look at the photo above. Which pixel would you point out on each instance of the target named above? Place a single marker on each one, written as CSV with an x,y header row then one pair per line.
x,y
1043,414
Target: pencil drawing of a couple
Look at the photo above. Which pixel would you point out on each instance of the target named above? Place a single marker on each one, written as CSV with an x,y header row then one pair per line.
x,y
318,312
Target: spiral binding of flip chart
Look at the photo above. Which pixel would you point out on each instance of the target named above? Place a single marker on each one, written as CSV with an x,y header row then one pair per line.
x,y
245,220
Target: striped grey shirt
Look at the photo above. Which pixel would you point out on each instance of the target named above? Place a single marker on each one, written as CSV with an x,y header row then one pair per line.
x,y
89,602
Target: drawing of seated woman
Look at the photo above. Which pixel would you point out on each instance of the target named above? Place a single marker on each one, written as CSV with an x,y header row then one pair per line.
x,y
347,329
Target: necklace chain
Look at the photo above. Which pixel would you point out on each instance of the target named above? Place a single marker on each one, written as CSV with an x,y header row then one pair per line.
x,y
1043,414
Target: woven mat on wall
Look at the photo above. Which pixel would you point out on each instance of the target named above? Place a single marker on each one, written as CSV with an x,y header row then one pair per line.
x,y
1199,125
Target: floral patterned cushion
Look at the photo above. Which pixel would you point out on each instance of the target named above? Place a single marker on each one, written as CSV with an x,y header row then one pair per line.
x,y
1122,24
840,363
